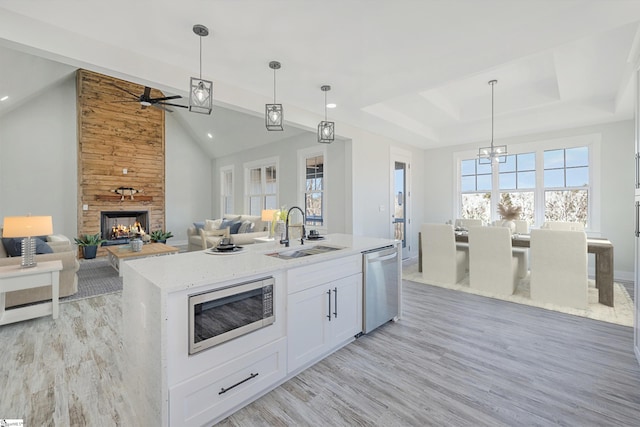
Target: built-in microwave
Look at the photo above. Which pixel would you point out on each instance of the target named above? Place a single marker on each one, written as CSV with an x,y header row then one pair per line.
x,y
227,313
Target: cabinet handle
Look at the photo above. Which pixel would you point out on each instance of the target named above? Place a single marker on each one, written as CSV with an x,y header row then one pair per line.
x,y
329,315
637,231
250,377
335,308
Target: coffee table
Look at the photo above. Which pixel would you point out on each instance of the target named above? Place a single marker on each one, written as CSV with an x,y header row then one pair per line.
x,y
118,253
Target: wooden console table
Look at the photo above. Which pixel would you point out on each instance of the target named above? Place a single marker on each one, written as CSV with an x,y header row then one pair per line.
x,y
16,278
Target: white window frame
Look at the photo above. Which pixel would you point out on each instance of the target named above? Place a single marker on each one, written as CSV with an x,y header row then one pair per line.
x,y
592,141
262,163
303,155
223,171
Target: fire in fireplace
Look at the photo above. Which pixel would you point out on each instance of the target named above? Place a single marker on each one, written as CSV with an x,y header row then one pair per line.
x,y
117,227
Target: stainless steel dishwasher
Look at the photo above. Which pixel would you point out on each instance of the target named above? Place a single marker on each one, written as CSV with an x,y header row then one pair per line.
x,y
381,287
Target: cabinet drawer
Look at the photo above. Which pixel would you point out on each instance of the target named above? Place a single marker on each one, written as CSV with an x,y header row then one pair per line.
x,y
204,398
299,279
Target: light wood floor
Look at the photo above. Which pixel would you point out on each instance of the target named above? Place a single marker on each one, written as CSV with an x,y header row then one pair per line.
x,y
455,360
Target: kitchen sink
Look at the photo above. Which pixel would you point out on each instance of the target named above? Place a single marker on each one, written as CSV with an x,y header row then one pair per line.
x,y
303,252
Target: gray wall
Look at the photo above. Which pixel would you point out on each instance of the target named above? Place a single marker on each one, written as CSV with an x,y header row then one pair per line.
x,y
38,158
187,181
616,180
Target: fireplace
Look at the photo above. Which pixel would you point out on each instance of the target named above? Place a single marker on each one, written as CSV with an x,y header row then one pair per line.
x,y
117,227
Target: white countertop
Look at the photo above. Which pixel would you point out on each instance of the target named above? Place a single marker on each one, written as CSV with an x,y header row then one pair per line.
x,y
186,270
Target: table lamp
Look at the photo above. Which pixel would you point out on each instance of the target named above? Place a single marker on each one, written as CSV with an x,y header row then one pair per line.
x,y
267,216
27,227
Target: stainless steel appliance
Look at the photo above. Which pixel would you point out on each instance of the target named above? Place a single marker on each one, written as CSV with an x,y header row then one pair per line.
x,y
227,313
381,287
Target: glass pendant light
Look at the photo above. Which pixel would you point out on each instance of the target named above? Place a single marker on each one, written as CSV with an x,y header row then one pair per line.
x,y
274,115
326,129
200,91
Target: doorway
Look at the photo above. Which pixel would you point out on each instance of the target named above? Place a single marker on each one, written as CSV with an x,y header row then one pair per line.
x,y
400,199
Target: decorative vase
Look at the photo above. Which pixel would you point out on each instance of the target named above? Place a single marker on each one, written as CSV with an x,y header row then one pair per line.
x,y
136,245
280,230
510,225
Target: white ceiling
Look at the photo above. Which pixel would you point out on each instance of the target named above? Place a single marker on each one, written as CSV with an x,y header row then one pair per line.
x,y
413,70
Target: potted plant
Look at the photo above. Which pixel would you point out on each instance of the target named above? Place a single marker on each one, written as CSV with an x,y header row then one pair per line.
x,y
89,244
160,236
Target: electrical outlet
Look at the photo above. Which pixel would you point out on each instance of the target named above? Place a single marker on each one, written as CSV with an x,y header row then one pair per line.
x,y
124,171
85,207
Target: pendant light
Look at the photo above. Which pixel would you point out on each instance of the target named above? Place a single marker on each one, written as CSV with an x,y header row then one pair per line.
x,y
494,153
200,91
325,128
274,112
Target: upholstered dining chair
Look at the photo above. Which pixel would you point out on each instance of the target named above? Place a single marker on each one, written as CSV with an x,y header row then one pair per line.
x,y
522,227
492,265
563,225
442,263
559,268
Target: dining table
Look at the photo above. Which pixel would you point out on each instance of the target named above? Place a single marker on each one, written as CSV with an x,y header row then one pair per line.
x,y
602,249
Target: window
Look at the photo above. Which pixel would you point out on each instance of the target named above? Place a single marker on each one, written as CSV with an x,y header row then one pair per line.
x,y
476,184
312,186
553,180
314,189
517,181
261,186
226,189
566,184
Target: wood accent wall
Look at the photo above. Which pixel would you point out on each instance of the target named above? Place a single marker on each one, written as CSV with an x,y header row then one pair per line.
x,y
113,136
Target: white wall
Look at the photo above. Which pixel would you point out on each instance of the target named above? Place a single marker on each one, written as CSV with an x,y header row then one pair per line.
x,y
371,204
38,158
617,191
188,181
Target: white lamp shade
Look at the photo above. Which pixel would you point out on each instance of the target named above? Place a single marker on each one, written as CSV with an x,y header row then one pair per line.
x,y
267,214
27,226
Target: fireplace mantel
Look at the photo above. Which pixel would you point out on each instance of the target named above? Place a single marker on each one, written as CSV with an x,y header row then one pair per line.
x,y
116,198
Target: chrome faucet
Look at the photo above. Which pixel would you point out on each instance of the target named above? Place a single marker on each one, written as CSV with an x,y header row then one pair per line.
x,y
285,241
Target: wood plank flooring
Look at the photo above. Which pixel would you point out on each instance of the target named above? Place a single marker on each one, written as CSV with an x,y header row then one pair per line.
x,y
455,359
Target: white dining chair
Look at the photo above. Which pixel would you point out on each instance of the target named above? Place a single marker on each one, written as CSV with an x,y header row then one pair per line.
x,y
492,265
559,268
563,225
442,263
466,223
522,227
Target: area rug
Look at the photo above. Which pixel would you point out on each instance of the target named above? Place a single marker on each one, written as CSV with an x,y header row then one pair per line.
x,y
621,313
95,277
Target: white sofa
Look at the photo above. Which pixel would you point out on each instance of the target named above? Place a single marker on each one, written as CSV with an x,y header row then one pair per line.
x,y
238,227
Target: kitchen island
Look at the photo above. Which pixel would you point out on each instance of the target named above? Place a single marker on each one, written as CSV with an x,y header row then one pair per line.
x,y
316,309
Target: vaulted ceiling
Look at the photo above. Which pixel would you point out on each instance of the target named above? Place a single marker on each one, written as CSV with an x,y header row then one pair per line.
x,y
413,70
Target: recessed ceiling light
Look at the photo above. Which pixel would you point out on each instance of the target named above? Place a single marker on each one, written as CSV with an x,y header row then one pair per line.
x,y
4,98
331,105
210,136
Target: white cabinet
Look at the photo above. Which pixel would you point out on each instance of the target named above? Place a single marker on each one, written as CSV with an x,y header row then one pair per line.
x,y
208,397
323,316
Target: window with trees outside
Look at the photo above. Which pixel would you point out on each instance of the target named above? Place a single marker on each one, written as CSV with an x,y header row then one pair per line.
x,y
314,191
548,184
566,185
476,185
261,187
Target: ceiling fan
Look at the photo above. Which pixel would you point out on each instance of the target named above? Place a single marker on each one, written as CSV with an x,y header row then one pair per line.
x,y
145,99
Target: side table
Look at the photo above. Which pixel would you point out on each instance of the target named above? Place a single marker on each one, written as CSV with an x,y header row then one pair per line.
x,y
15,278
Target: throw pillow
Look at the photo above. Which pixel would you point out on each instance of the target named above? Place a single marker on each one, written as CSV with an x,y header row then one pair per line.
x,y
42,247
212,224
246,227
234,227
199,226
13,246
